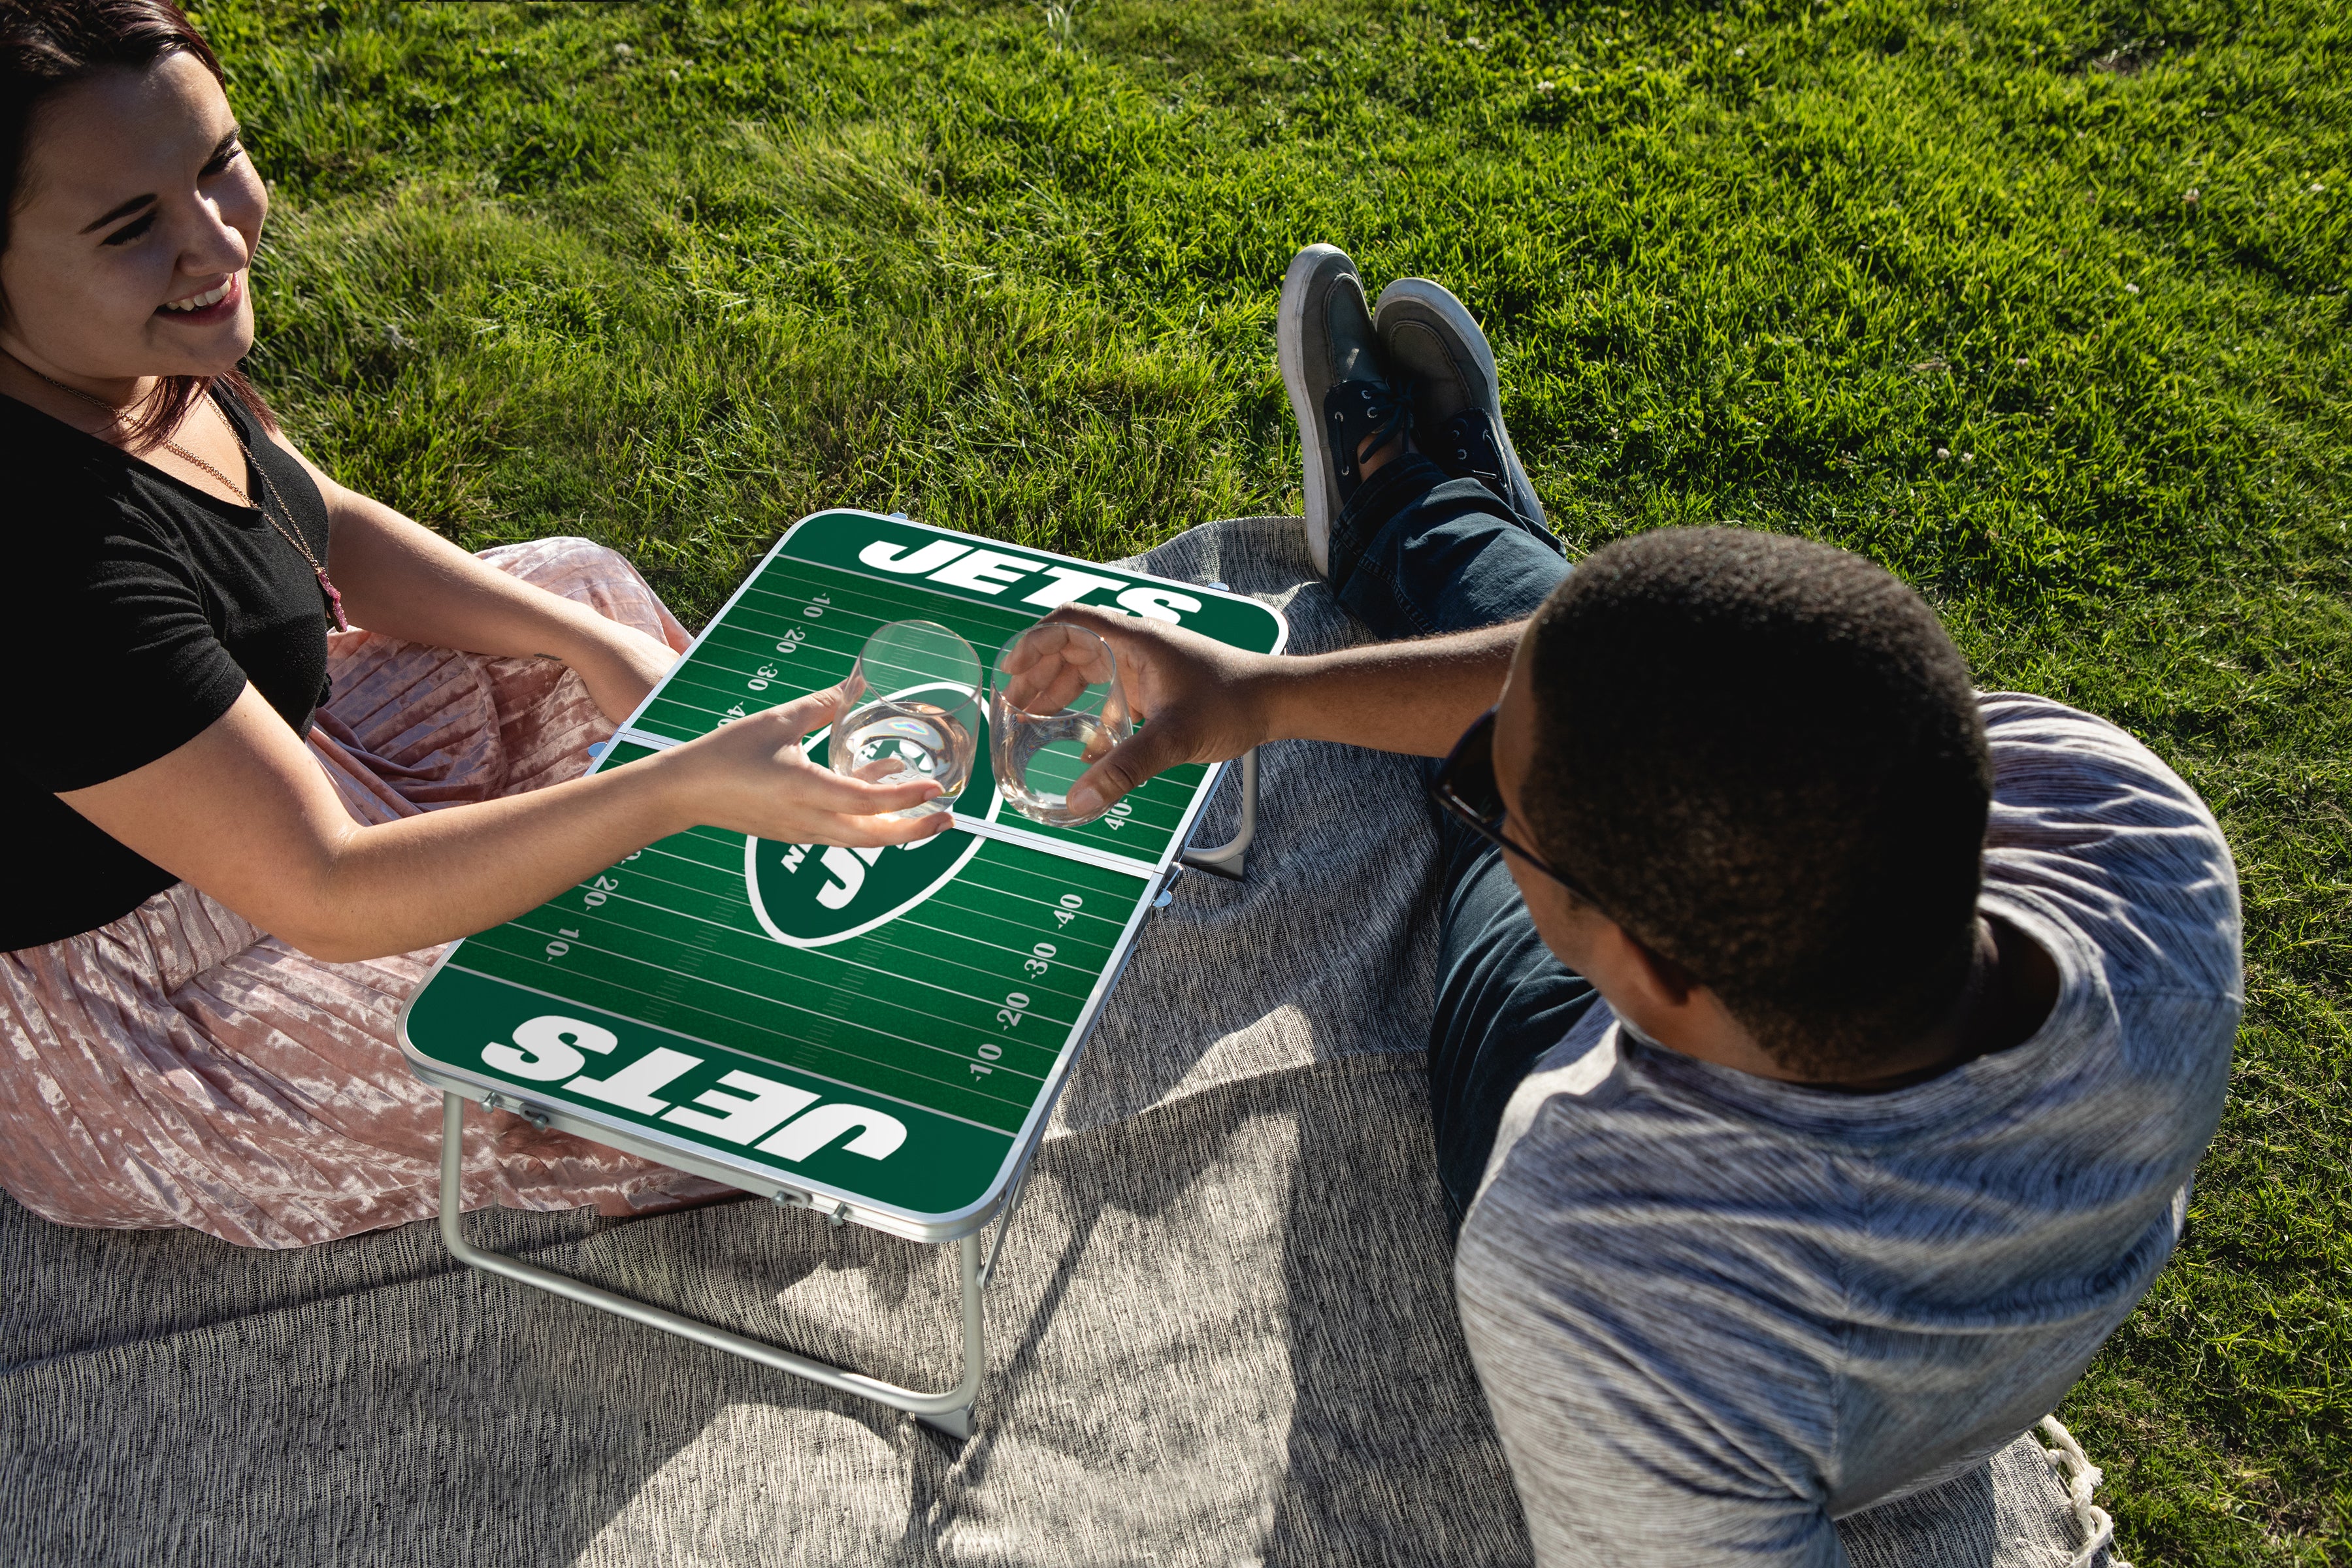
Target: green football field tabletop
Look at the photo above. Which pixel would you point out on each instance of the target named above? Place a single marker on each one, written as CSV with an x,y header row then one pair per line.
x,y
878,1034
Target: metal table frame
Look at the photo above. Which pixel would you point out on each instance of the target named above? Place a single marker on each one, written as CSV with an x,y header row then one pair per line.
x,y
951,1412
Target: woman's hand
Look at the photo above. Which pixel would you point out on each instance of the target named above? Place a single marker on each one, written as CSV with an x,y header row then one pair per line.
x,y
751,776
620,665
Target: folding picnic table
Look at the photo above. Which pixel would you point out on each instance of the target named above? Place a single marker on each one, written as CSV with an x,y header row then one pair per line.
x,y
875,1034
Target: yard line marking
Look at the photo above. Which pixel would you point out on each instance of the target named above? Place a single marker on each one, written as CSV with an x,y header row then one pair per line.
x,y
536,962
820,953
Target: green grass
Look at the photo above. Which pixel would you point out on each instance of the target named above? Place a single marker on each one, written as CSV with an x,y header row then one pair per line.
x,y
1013,268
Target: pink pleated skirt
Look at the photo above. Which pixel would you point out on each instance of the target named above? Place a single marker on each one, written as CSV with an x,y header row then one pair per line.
x,y
182,1068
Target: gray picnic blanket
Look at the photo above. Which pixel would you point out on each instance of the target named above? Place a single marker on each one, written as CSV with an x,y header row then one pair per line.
x,y
1222,1330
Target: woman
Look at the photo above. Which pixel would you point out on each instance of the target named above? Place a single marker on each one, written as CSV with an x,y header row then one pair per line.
x,y
242,834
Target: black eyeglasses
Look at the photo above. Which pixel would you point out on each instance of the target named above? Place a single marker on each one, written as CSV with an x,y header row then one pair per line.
x,y
1464,787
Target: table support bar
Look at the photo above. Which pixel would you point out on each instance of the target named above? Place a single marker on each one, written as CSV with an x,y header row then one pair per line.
x,y
1005,1220
950,1411
1229,859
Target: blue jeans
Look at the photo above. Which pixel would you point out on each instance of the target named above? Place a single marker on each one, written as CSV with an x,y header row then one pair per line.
x,y
1414,554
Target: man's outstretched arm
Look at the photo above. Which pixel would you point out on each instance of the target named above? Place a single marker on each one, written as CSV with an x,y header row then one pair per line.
x,y
1205,702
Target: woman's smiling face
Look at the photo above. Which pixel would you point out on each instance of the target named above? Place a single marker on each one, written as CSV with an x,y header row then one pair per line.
x,y
137,213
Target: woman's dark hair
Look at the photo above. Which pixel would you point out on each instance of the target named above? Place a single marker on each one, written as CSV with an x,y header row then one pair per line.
x,y
47,46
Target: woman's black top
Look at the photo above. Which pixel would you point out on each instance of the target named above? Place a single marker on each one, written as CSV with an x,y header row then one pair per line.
x,y
139,608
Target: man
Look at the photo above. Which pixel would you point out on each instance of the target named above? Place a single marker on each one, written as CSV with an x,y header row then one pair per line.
x,y
1821,1051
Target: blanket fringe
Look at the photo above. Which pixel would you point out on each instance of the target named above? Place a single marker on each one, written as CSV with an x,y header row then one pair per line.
x,y
2074,1467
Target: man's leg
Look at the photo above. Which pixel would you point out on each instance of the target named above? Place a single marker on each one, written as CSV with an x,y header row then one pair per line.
x,y
1415,554
1503,1000
1415,551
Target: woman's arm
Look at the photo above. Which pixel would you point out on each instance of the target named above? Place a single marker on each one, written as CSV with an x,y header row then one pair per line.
x,y
244,812
399,578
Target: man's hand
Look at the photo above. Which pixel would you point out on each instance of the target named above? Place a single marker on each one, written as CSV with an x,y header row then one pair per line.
x,y
752,776
1201,700
1206,702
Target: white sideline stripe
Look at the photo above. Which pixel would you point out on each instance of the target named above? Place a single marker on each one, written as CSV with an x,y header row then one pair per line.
x,y
1102,861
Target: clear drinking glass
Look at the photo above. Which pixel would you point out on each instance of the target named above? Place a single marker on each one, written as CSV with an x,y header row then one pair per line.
x,y
913,712
1054,708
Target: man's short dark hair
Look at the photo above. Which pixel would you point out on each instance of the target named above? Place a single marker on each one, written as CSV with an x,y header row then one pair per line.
x,y
1764,757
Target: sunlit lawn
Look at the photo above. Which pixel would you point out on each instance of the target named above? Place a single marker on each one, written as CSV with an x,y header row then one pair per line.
x,y
2041,305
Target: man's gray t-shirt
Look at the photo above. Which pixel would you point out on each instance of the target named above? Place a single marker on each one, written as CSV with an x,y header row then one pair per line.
x,y
1715,1312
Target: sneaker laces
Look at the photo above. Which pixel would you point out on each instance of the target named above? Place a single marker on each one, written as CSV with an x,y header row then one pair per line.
x,y
1403,418
1471,435
1365,416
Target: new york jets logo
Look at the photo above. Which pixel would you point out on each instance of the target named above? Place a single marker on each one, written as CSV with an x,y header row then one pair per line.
x,y
812,895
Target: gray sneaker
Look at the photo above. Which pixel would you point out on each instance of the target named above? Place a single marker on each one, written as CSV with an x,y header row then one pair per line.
x,y
1338,380
1435,346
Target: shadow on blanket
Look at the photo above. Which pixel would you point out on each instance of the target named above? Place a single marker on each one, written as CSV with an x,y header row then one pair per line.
x,y
1222,1329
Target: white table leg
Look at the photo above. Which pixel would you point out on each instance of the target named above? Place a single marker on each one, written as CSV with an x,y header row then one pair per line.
x,y
951,1412
1229,859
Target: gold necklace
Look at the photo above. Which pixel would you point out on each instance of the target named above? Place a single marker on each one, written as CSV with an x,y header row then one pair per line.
x,y
291,535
